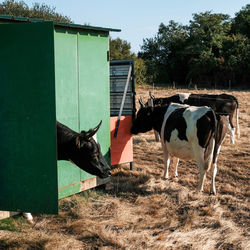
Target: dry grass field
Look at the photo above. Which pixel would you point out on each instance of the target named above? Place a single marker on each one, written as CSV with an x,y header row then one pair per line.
x,y
141,210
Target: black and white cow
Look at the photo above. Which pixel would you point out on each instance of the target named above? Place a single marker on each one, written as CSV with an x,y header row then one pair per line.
x,y
222,104
187,132
81,149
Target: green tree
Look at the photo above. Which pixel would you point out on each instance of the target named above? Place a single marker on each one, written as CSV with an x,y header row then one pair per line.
x,y
121,50
21,9
207,32
236,59
140,72
164,55
241,22
204,51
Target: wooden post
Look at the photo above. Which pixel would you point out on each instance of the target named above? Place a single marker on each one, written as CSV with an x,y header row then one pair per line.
x,y
6,214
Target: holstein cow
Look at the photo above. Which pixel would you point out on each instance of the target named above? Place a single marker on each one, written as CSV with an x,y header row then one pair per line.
x,y
187,132
222,104
82,150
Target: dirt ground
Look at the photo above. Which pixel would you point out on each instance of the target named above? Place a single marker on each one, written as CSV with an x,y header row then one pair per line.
x,y
141,210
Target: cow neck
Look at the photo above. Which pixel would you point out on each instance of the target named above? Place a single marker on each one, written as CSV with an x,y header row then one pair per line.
x,y
158,117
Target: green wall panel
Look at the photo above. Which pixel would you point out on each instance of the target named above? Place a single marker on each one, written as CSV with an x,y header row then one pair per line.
x,y
94,88
69,190
48,73
82,92
28,169
66,72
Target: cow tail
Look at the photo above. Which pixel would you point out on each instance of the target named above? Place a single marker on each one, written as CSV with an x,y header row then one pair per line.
x,y
209,151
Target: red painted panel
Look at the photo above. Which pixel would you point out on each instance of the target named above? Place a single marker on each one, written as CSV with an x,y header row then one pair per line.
x,y
122,145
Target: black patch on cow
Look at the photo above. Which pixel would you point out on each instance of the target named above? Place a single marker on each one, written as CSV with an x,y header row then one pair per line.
x,y
176,121
205,128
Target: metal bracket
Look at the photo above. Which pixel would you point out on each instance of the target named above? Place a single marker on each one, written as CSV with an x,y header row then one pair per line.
x,y
123,100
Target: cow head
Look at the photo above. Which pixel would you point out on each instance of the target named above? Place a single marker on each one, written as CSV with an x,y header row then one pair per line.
x,y
89,156
143,121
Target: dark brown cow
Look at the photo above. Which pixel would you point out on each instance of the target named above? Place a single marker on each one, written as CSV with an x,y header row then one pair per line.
x,y
82,150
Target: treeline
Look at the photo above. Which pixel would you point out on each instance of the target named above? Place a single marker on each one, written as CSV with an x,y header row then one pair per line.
x,y
21,9
212,51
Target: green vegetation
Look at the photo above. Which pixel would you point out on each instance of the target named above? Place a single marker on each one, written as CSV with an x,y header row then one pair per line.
x,y
213,50
121,50
13,224
21,9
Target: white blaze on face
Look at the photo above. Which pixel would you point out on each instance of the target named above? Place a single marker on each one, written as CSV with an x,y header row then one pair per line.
x,y
183,96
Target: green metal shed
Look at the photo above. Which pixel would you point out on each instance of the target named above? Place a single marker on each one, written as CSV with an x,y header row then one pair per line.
x,y
48,71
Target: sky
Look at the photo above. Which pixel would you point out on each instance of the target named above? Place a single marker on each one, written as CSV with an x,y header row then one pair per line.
x,y
137,19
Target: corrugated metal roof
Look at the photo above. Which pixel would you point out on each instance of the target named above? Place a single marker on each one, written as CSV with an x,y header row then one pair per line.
x,y
57,24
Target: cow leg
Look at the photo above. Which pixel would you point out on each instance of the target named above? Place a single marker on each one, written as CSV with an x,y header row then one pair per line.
x,y
29,217
175,164
202,178
167,158
199,157
214,171
230,128
237,123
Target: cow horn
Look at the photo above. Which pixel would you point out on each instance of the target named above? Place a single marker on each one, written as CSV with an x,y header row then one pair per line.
x,y
92,131
151,95
141,103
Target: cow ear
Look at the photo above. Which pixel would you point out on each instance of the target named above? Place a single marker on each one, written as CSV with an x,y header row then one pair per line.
x,y
92,131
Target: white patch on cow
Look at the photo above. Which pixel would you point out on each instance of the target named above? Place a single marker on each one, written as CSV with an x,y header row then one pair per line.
x,y
166,155
178,148
183,96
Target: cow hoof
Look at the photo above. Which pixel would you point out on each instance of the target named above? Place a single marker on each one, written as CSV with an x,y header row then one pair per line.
x,y
212,193
199,191
31,222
